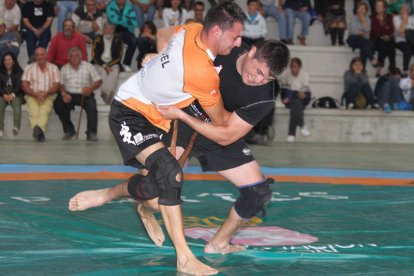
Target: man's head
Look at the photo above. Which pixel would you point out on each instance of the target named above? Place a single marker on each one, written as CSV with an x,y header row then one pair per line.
x,y
40,56
75,56
108,30
295,66
91,6
68,27
253,6
223,25
9,4
264,63
199,11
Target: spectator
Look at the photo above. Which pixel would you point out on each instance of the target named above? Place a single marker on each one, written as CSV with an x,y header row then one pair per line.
x,y
198,12
37,19
174,15
123,16
407,87
403,22
255,28
8,41
299,9
356,82
335,21
147,41
10,91
63,41
40,82
394,6
106,56
276,11
12,18
382,31
388,91
296,95
143,7
371,3
65,9
88,20
79,80
359,31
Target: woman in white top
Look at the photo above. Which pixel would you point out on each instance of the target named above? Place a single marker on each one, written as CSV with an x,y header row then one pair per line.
x,y
175,15
403,22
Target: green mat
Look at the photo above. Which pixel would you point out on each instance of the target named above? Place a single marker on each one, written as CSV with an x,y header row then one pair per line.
x,y
361,230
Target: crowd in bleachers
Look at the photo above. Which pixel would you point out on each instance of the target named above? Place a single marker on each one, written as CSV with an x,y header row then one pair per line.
x,y
119,30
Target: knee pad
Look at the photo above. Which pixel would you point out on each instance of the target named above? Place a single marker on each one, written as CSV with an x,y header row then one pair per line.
x,y
253,199
168,175
142,187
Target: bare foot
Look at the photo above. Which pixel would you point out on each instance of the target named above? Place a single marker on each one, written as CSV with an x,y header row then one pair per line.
x,y
229,248
154,230
89,199
193,266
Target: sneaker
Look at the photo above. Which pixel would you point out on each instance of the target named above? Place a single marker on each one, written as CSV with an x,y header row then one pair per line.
x,y
126,68
41,137
387,108
1,133
350,106
36,133
395,106
92,137
290,139
375,106
15,131
68,135
304,131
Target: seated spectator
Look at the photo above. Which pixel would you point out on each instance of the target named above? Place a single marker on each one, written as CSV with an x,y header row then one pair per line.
x,y
12,17
142,8
79,80
255,28
356,84
174,15
382,32
40,82
10,91
65,9
387,90
37,19
359,31
407,87
297,9
371,3
335,21
63,41
277,12
296,95
8,41
88,20
198,12
123,16
403,22
106,56
147,42
394,6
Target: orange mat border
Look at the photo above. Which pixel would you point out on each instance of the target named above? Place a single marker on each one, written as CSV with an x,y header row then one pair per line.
x,y
104,175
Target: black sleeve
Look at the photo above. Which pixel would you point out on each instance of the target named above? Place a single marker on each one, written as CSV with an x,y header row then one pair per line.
x,y
256,112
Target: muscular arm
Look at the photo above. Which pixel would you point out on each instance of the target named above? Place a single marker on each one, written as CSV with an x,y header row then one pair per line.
x,y
217,113
232,130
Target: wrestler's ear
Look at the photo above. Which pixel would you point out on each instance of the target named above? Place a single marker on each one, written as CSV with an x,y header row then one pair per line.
x,y
217,31
252,52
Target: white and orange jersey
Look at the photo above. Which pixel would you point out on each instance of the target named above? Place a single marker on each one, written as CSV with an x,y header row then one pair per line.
x,y
184,71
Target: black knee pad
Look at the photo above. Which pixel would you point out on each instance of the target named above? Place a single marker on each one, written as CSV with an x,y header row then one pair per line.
x,y
142,187
253,199
168,175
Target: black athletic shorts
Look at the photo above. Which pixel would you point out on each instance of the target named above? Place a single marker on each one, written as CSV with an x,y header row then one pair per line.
x,y
132,131
212,156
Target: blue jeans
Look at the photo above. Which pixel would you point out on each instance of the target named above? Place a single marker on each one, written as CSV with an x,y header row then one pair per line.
x,y
365,46
65,7
32,42
291,16
389,93
140,14
272,11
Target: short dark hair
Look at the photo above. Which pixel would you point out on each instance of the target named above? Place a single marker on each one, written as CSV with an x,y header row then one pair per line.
x,y
297,61
224,15
275,54
252,1
199,3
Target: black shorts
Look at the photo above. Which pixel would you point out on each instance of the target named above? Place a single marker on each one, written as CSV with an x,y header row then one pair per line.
x,y
132,131
212,156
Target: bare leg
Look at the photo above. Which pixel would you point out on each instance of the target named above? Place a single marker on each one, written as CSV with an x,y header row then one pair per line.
x,y
243,175
94,198
146,213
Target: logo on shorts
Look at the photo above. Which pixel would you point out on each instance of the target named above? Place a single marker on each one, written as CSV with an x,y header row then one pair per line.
x,y
138,138
247,151
126,134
